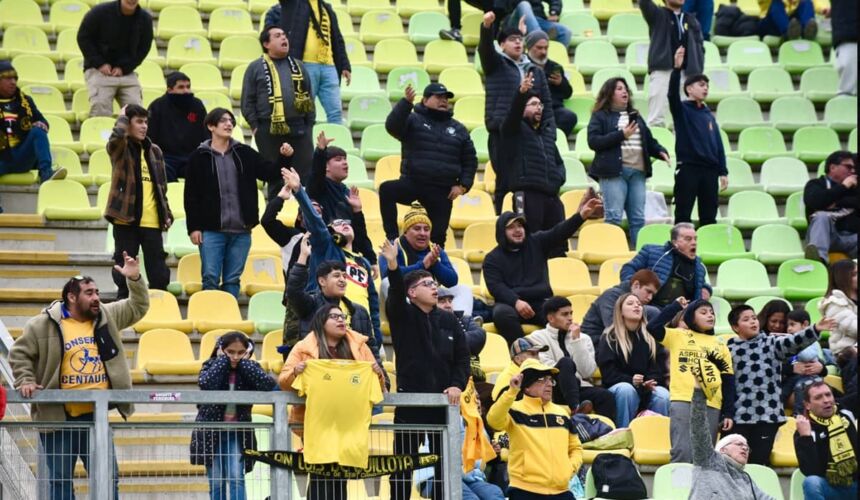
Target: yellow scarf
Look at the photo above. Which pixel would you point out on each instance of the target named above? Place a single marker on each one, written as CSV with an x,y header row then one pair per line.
x,y
301,97
840,471
25,121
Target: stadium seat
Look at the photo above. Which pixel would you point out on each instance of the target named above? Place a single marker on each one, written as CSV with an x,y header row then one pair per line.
x,y
740,279
723,83
266,311
340,133
651,442
594,55
636,58
583,27
783,176
178,241
151,76
261,243
442,54
819,84
480,136
580,303
653,234
179,20
852,140
163,313
463,82
581,148
774,244
581,105
68,159
81,105
662,177
213,5
478,239
571,6
673,481
364,81
746,55
840,113
750,209
757,144
356,53
604,10
489,178
376,143
474,206
758,303
212,100
154,56
24,13
721,313
788,114
34,69
211,309
360,7
236,77
796,487
740,177
470,111
60,134
400,77
19,40
191,48
795,211
721,242
576,177
164,351
802,279
814,144
260,7
495,355
796,56
393,53
783,454
570,277
95,132
471,27
769,84
176,198
609,274
370,205
366,110
188,276
380,24
205,77
410,8
626,28
737,113
424,26
228,21
461,267
236,50
269,353
262,273
66,14
67,44
387,168
597,243
576,80
49,101
558,53
65,200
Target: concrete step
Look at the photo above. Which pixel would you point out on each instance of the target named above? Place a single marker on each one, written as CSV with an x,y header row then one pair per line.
x,y
56,236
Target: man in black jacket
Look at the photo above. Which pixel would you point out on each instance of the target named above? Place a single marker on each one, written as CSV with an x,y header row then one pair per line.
x,y
176,124
114,38
537,45
843,15
325,58
431,356
503,72
529,159
439,160
832,208
516,270
670,28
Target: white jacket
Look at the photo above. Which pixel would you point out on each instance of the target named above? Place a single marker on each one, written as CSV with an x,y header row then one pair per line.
x,y
581,352
839,307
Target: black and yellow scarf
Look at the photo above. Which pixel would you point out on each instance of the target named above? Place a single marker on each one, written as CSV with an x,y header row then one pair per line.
x,y
25,119
843,464
322,28
301,97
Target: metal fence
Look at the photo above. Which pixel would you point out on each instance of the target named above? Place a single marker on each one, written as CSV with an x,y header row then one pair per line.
x,y
40,460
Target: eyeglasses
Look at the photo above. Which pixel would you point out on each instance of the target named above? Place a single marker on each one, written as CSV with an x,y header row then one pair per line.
x,y
849,166
740,444
341,222
337,316
545,381
428,283
536,104
227,119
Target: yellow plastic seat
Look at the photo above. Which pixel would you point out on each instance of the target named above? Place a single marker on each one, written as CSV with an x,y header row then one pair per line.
x,y
387,168
474,206
262,272
188,48
157,5
236,50
66,14
188,276
212,100
163,313
478,240
489,179
464,274
393,53
470,111
166,352
783,454
580,303
228,21
261,243
495,355
570,277
60,134
380,24
205,77
270,354
236,77
65,200
610,273
22,13
26,40
179,20
176,198
95,132
154,56
100,168
37,69
214,5
212,309
443,54
81,105
651,443
74,74
68,159
463,82
370,205
356,53
49,100
67,44
570,200
600,242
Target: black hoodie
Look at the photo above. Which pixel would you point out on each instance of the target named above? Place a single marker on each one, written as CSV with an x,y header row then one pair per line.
x,y
176,123
519,272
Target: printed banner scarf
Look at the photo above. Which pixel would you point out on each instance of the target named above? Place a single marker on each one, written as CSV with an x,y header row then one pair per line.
x,y
301,97
377,465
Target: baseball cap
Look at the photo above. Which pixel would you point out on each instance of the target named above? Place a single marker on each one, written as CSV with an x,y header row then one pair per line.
x,y
533,369
524,344
520,218
437,89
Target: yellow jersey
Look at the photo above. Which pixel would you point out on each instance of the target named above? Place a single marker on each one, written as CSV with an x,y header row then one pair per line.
x,y
357,281
82,367
686,347
149,211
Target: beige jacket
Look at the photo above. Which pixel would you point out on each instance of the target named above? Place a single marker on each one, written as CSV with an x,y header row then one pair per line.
x,y
839,307
581,352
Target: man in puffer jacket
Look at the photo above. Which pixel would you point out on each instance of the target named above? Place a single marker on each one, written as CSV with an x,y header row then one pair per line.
x,y
439,160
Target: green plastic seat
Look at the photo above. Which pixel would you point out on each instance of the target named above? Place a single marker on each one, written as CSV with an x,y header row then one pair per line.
x,y
604,10
602,75
204,77
361,7
66,14
724,41
364,82
67,44
582,106
344,21
236,77
852,140
238,49
783,176
463,82
583,27
213,5
380,24
470,111
788,114
366,110
665,137
721,242
583,151
653,234
184,49
558,53
796,56
340,133
769,84
819,84
179,20
576,178
25,13
576,80
49,100
228,21
766,479
480,136
573,6
712,55
760,301
178,241
95,132
68,159
471,28
802,279
774,244
723,83
266,311
99,167
740,279
796,488
626,28
737,113
673,481
747,55
358,172
757,144
60,134
740,177
814,144
662,177
721,314
65,200
393,53
34,69
424,27
401,77
840,113
750,209
636,58
444,54
26,40
795,212
376,143
410,8
594,55
561,143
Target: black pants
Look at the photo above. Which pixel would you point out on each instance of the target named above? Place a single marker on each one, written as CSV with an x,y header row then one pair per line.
x,y
760,438
404,191
326,488
518,494
570,392
269,147
542,212
565,119
602,399
692,182
454,10
132,239
408,443
175,166
501,180
509,324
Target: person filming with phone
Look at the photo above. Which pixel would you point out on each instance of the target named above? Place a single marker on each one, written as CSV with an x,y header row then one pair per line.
x,y
537,47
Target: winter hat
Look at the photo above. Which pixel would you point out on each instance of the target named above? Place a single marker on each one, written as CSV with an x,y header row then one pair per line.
x,y
7,70
689,314
534,37
416,215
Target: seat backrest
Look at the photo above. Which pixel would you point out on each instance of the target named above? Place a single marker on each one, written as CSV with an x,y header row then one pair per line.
x,y
723,80
653,234
739,109
445,52
271,342
823,139
766,479
35,67
399,78
480,236
263,269
673,481
376,137
564,270
800,53
720,237
581,24
475,204
627,24
744,273
740,172
599,52
67,159
48,99
721,312
757,303
61,194
20,12
424,25
750,53
240,47
189,46
355,50
163,344
464,272
749,203
230,18
495,352
650,432
369,108
803,273
180,16
558,53
204,75
581,303
67,43
775,237
602,75
67,14
266,306
795,210
364,79
842,108
784,171
603,238
384,21
822,79
162,307
213,305
610,272
793,108
188,269
461,80
27,39
769,80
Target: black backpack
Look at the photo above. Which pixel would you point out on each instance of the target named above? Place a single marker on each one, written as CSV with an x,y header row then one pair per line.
x,y
731,21
615,476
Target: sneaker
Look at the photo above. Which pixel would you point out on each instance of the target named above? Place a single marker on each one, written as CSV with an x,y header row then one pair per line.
x,y
794,30
810,252
56,175
452,34
810,31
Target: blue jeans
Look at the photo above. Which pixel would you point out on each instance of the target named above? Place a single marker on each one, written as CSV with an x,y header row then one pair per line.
x,y
704,12
227,472
817,488
625,193
627,402
33,151
325,84
482,490
224,254
62,449
776,21
534,23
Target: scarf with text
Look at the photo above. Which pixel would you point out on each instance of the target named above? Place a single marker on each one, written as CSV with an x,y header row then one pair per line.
x,y
843,464
302,97
25,122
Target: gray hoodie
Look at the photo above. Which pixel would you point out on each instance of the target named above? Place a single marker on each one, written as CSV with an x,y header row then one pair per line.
x,y
228,185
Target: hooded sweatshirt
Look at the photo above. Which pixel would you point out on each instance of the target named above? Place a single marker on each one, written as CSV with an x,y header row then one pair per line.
x,y
176,123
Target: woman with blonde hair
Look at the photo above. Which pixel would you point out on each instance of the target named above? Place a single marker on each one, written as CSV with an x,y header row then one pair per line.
x,y
627,357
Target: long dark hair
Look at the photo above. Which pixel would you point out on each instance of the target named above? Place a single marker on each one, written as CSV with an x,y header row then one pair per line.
x,y
318,329
228,338
604,97
840,277
769,309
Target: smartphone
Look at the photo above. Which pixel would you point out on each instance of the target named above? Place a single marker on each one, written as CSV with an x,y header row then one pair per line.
x,y
634,116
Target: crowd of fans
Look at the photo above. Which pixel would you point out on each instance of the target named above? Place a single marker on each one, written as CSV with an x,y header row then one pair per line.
x,y
651,337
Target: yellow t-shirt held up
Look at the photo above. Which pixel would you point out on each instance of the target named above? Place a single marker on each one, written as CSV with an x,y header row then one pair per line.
x,y
685,348
82,367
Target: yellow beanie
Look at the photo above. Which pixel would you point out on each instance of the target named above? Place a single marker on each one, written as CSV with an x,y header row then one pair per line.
x,y
416,215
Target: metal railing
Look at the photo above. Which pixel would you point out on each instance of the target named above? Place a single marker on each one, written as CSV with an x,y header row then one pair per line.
x,y
30,451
